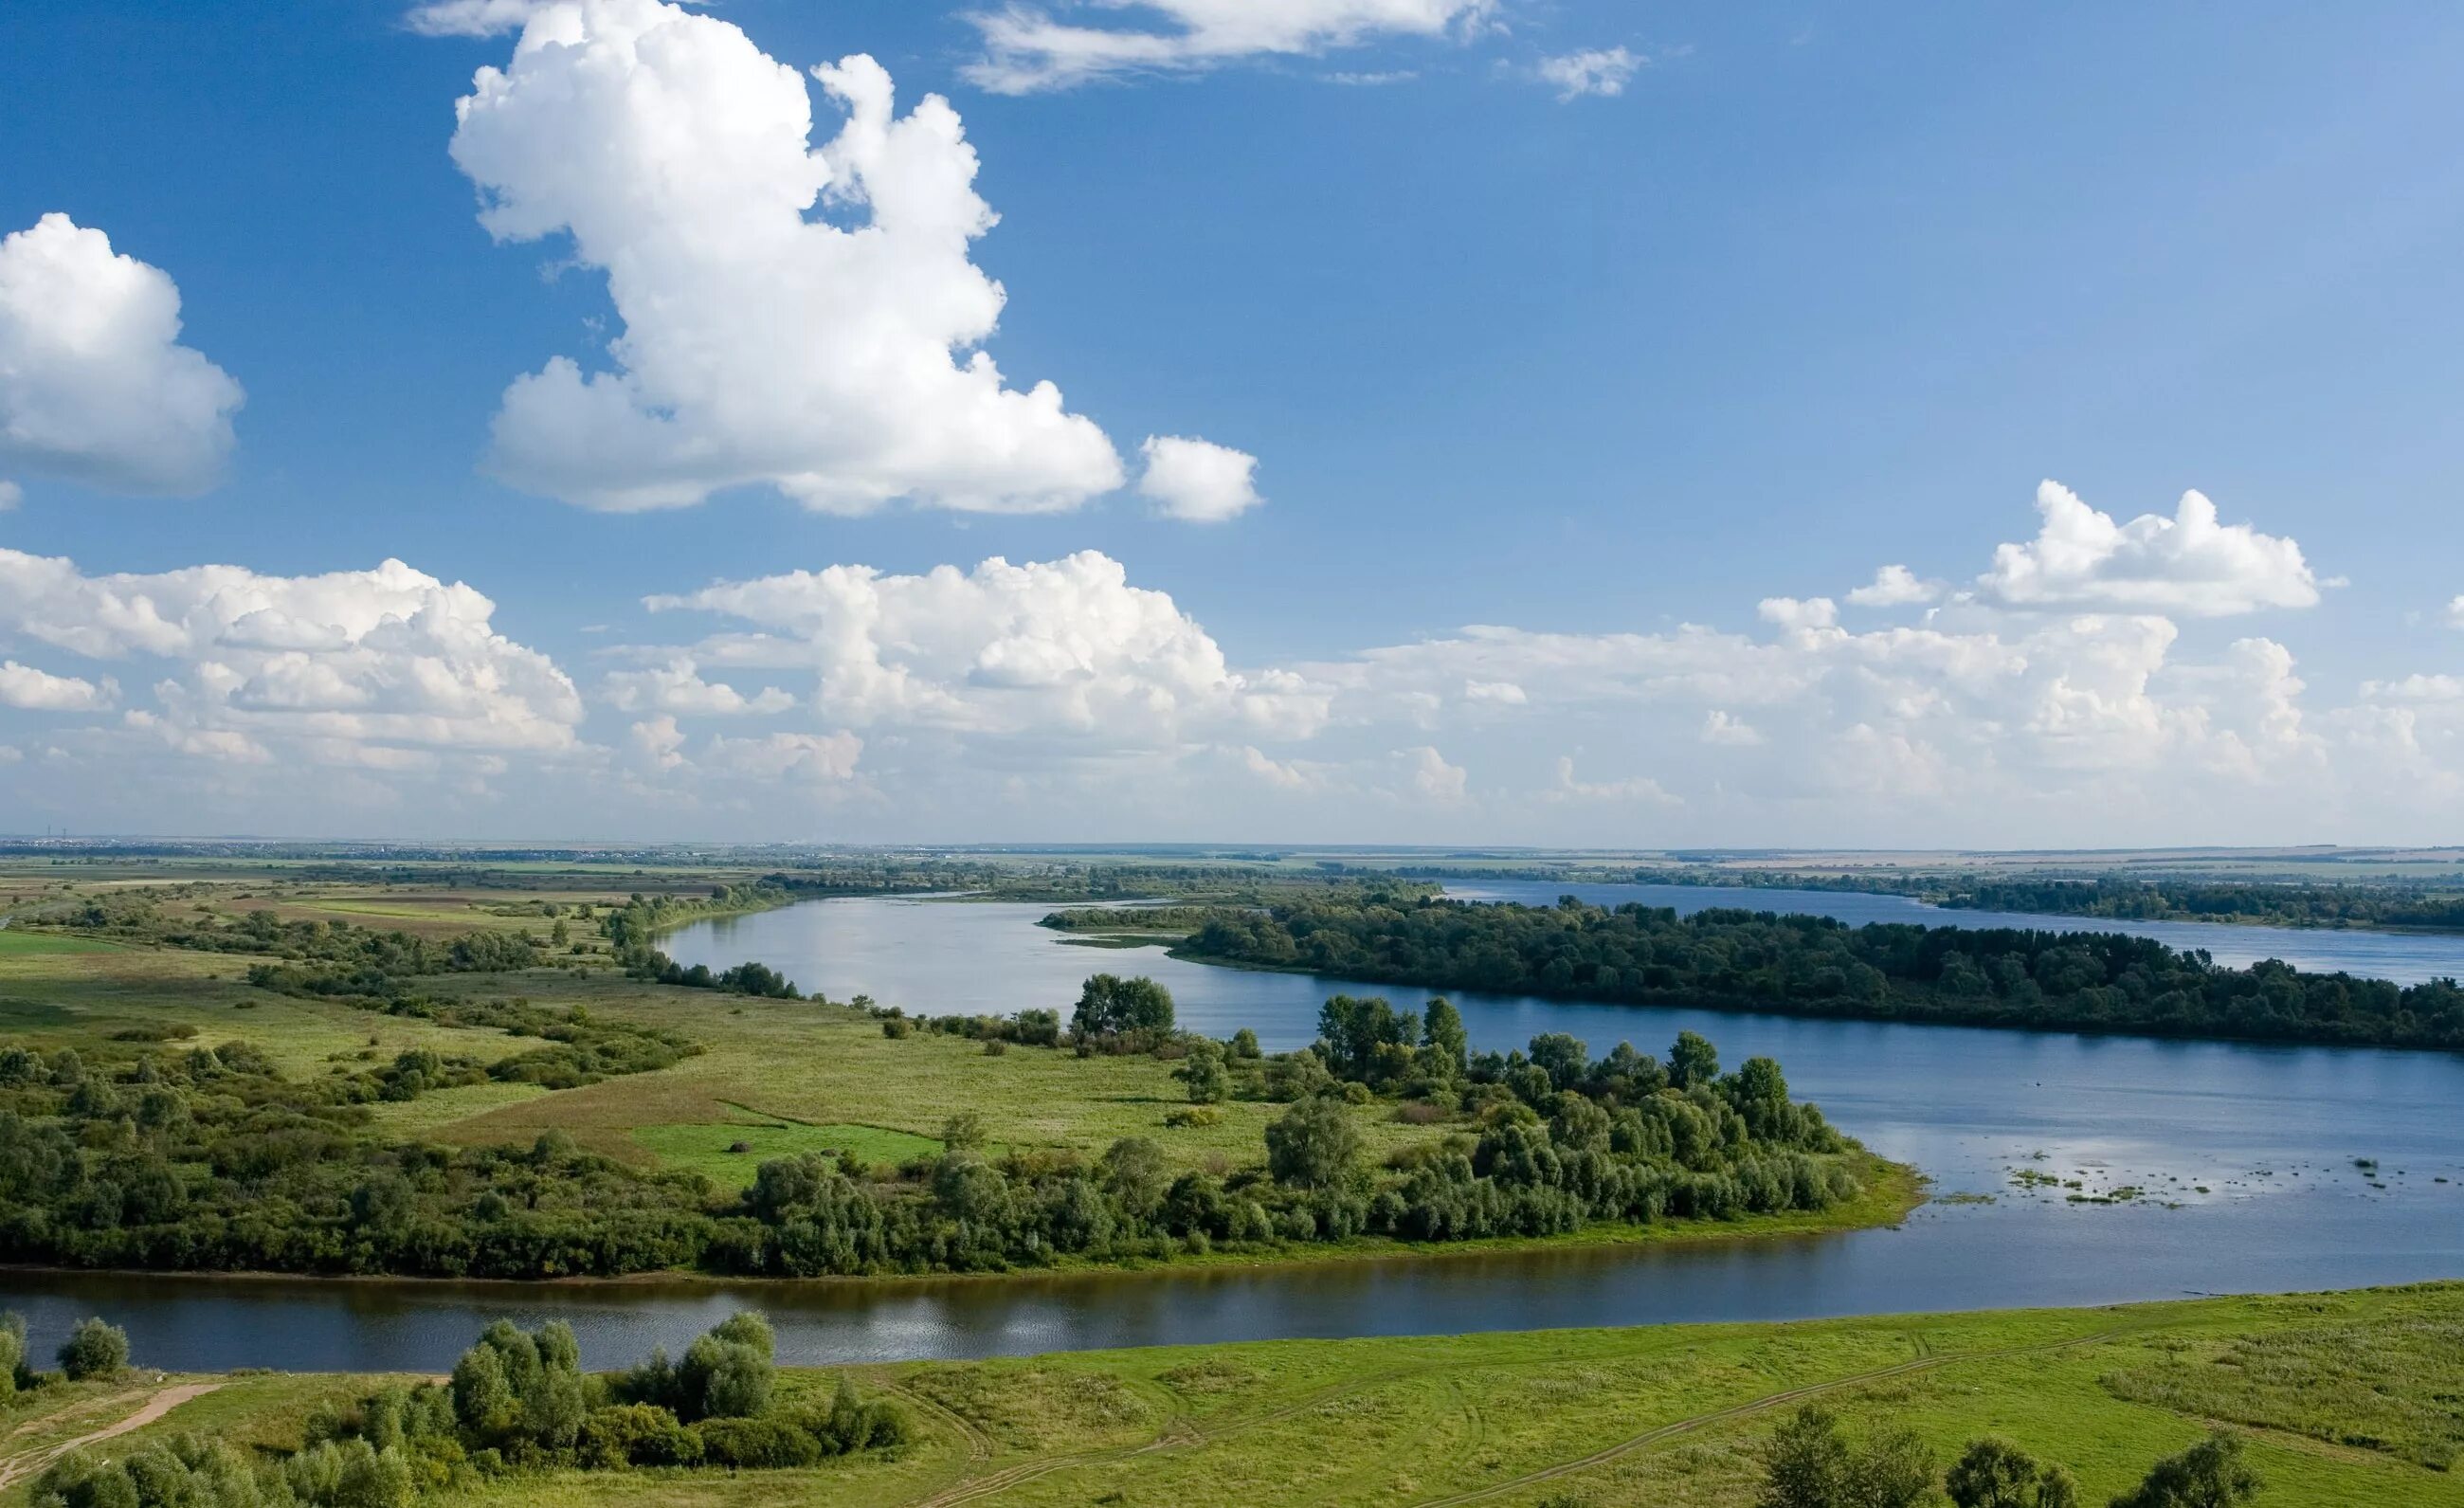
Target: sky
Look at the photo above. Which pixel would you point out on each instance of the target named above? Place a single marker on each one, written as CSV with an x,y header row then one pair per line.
x,y
1552,422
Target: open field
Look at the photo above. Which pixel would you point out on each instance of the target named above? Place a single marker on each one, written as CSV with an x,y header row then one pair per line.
x,y
1668,1416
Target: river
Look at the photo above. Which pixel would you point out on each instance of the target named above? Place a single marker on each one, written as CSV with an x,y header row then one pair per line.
x,y
2247,1156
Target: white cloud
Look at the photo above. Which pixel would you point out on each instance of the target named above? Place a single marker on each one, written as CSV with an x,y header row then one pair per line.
x,y
94,383
390,656
1718,728
677,686
471,17
1808,613
10,495
1027,49
1633,789
1895,586
2189,564
834,356
2455,613
1499,693
1064,650
808,758
39,691
1428,776
1199,480
1595,70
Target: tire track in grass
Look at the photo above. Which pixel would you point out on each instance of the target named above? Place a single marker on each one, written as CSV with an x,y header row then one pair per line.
x,y
155,1407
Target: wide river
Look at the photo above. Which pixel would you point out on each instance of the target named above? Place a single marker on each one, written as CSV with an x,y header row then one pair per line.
x,y
2248,1157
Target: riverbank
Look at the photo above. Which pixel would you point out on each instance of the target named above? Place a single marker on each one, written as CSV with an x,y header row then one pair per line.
x,y
2343,1401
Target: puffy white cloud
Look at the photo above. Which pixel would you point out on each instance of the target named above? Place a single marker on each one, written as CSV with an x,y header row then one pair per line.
x,y
386,656
800,757
1895,586
2188,563
1197,480
1593,71
1790,613
1066,649
676,686
1502,692
1428,776
39,691
2455,613
95,384
832,355
1027,48
10,495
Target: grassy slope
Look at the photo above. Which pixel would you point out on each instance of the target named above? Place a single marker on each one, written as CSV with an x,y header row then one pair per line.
x,y
1666,1416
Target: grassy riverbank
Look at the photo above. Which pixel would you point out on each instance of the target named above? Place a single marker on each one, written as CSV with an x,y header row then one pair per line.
x,y
2344,1401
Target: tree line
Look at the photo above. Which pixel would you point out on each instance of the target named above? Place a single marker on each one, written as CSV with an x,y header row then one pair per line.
x,y
1736,960
518,1402
1810,1461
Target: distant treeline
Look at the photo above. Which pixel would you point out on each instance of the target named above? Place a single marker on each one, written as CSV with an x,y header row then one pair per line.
x,y
1738,960
2383,905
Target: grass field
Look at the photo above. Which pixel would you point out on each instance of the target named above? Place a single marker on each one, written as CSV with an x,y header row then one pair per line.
x,y
1668,1416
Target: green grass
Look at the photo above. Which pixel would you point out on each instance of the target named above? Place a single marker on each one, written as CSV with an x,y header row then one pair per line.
x,y
707,1149
1668,1416
17,942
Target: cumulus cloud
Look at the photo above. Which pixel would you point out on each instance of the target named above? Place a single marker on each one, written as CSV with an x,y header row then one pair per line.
x,y
1595,70
1064,649
25,687
677,686
1427,776
1027,48
2189,564
95,384
1895,586
1719,727
10,495
804,320
2455,613
1792,612
1501,693
1197,480
390,656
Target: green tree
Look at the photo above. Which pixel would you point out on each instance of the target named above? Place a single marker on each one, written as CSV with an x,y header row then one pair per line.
x,y
1893,1468
1135,1175
963,1132
483,1400
1312,1145
1442,1030
1806,1462
1992,1473
1109,1006
1204,1073
1693,1060
12,1351
2209,1474
94,1349
1245,1044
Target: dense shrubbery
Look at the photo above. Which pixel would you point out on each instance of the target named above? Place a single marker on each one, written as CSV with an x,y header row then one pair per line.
x,y
1810,1462
1812,965
516,1402
2379,905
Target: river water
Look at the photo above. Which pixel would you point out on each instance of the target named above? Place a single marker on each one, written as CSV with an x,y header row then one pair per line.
x,y
2246,1155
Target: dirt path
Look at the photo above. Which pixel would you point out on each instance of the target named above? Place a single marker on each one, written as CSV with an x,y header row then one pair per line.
x,y
162,1402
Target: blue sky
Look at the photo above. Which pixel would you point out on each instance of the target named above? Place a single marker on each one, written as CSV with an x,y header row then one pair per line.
x,y
1815,291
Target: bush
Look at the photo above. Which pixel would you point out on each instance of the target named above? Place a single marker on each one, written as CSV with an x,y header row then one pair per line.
x,y
1192,1115
757,1444
636,1434
94,1349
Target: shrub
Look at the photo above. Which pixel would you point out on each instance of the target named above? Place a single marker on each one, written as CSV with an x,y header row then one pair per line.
x,y
757,1444
637,1434
1192,1115
94,1349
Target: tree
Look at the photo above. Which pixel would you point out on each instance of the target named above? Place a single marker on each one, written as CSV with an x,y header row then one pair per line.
x,y
1806,1463
1312,1145
1441,1030
1894,1470
94,1349
1136,1176
1245,1044
12,1351
963,1132
1111,1005
2209,1474
1992,1473
1693,1060
1204,1072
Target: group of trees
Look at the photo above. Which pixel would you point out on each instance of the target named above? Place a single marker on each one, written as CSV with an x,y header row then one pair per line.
x,y
94,1350
516,1401
2438,907
1813,966
1810,1462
